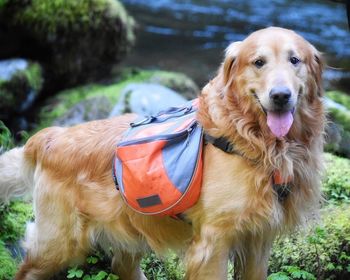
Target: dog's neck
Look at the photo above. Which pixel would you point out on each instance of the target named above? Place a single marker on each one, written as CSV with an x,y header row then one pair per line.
x,y
222,116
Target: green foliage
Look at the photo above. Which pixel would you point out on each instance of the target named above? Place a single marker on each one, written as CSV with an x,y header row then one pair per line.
x,y
93,269
34,76
3,3
291,272
13,219
169,268
323,251
8,265
75,272
339,97
336,183
6,140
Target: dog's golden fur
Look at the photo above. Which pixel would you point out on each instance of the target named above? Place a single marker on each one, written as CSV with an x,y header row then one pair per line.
x,y
76,205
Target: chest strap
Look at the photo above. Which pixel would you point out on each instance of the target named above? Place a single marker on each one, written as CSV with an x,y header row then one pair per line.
x,y
282,188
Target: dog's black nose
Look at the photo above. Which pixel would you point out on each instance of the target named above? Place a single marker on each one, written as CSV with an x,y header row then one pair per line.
x,y
280,96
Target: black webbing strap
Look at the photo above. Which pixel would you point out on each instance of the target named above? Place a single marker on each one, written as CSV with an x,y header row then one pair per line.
x,y
222,143
282,190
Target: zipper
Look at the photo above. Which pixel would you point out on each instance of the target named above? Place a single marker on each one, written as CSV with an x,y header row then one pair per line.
x,y
168,136
170,114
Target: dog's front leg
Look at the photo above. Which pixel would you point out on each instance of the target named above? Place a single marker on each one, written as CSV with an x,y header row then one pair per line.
x,y
256,256
127,266
207,256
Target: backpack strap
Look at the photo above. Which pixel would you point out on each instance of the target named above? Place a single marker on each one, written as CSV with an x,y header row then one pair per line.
x,y
282,188
221,143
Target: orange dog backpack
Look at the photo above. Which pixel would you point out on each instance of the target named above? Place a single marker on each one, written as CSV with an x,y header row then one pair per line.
x,y
158,163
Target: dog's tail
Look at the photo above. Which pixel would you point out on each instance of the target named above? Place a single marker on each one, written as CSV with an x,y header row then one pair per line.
x,y
16,175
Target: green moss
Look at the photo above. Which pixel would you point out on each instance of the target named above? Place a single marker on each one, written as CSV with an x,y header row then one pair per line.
x,y
34,76
3,3
76,42
339,97
52,16
8,265
67,99
179,82
323,251
336,183
13,219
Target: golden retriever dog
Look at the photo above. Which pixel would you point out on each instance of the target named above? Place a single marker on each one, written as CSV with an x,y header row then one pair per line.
x,y
266,100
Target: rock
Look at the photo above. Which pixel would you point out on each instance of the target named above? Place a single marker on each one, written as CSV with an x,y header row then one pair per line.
x,y
58,106
95,108
10,66
337,78
74,41
338,129
20,83
146,99
177,82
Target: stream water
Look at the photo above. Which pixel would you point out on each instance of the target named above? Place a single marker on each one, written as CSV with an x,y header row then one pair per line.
x,y
190,35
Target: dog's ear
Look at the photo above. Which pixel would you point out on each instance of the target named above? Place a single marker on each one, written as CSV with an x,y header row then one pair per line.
x,y
315,66
230,59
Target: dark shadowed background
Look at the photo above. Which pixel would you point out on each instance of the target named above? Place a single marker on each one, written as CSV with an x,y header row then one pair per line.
x,y
190,36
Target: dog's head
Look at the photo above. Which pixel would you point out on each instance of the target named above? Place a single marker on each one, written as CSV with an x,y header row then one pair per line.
x,y
273,72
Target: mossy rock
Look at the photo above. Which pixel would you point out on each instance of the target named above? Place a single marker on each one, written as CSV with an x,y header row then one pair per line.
x,y
323,251
338,130
94,108
178,82
59,106
75,41
18,86
340,113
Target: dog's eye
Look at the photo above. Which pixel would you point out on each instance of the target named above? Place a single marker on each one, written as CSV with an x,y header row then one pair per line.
x,y
259,63
294,60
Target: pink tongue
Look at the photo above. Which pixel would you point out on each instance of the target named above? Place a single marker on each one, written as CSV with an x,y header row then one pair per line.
x,y
279,123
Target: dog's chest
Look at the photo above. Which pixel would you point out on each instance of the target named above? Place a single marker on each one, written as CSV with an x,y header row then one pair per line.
x,y
234,191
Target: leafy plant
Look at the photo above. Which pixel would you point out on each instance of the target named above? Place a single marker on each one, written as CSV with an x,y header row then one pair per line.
x,y
170,268
6,140
323,251
291,272
336,183
93,269
13,219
